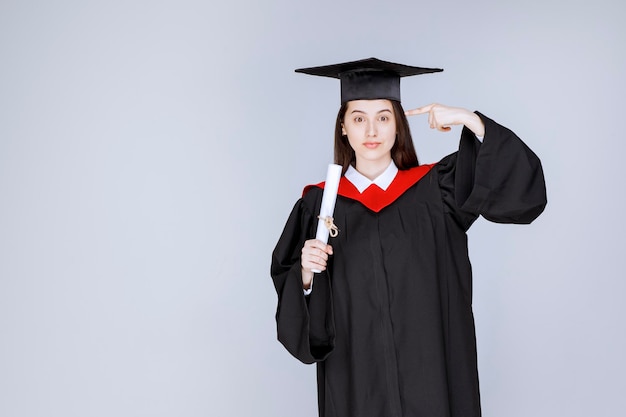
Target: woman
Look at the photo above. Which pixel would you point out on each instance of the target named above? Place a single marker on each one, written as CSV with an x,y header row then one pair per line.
x,y
389,319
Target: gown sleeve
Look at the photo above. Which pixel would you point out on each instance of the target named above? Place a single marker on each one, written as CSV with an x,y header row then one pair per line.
x,y
500,178
304,323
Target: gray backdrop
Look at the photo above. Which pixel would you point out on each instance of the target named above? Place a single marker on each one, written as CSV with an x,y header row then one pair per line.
x,y
150,152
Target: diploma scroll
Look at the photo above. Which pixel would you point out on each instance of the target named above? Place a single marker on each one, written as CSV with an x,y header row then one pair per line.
x,y
329,197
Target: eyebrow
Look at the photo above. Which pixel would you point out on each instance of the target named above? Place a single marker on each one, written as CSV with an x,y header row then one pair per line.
x,y
378,112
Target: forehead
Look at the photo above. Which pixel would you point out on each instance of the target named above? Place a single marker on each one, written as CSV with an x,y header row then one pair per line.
x,y
369,106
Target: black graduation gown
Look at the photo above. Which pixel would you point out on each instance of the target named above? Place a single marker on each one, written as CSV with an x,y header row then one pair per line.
x,y
390,322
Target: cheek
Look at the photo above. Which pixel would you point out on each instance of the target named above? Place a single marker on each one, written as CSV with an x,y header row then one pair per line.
x,y
352,132
351,142
350,127
390,131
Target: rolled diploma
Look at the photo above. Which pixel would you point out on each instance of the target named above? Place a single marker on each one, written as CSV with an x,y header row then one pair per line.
x,y
329,197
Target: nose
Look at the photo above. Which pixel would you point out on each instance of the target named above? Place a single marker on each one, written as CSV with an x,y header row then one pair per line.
x,y
371,128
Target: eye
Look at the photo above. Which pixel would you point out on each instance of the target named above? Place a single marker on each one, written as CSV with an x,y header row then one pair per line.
x,y
359,119
384,118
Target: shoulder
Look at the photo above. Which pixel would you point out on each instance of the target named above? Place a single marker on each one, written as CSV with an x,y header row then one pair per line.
x,y
417,171
311,196
312,187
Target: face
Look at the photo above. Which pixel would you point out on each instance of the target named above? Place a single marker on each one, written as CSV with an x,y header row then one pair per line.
x,y
371,129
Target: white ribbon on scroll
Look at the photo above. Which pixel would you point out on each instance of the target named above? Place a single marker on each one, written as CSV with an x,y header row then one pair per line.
x,y
329,197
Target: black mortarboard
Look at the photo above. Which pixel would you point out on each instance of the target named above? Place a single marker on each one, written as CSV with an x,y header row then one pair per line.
x,y
368,79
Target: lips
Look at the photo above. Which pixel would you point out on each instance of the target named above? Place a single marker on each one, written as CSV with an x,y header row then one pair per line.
x,y
371,145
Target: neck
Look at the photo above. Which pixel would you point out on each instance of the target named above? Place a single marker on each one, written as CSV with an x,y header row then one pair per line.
x,y
372,169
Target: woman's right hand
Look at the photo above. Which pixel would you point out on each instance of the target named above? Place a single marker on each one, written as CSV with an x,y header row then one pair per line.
x,y
314,256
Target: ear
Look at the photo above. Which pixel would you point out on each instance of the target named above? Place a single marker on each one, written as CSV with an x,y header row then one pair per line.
x,y
343,130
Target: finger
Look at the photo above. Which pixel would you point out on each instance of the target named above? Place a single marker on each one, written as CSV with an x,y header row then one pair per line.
x,y
419,110
321,245
310,261
313,243
313,262
311,267
320,254
316,243
319,261
312,257
314,252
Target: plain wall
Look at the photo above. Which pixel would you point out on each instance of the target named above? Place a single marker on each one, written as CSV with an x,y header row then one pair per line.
x,y
150,152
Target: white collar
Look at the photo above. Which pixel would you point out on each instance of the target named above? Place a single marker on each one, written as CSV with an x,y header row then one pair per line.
x,y
361,182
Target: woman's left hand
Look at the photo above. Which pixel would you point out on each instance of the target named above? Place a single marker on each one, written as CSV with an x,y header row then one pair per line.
x,y
441,117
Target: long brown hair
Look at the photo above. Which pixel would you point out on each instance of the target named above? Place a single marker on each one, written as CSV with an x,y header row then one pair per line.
x,y
402,152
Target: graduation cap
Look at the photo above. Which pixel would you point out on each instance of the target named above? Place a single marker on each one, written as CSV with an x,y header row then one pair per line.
x,y
368,79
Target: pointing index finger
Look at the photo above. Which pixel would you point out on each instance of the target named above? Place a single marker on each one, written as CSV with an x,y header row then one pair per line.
x,y
419,110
